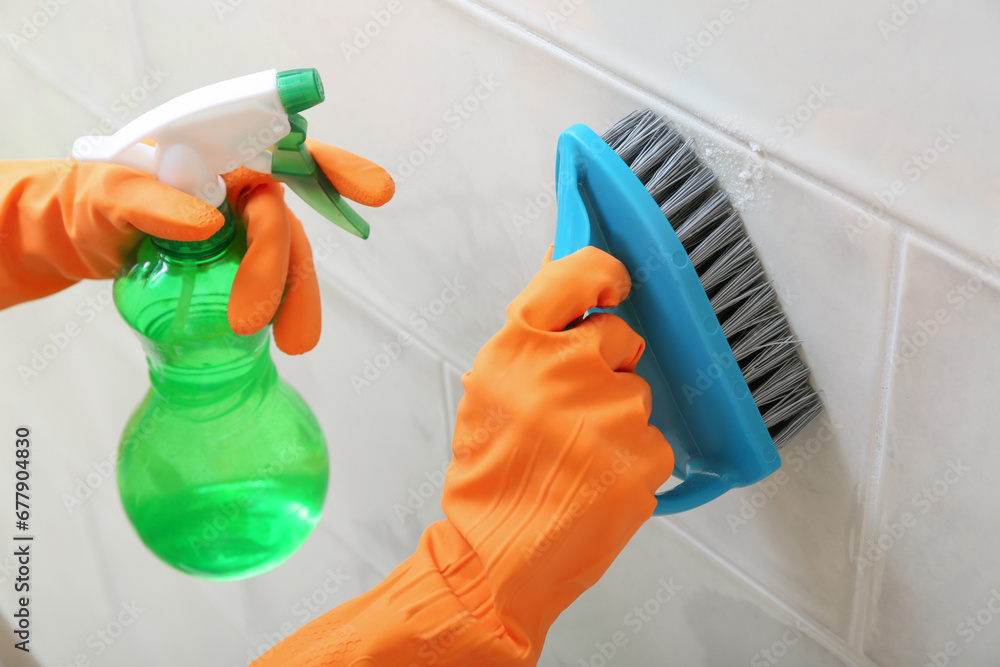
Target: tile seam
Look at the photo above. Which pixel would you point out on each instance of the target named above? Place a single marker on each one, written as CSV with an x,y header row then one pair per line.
x,y
594,69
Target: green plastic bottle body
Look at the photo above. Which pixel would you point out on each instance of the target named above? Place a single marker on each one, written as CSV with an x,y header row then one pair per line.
x,y
222,468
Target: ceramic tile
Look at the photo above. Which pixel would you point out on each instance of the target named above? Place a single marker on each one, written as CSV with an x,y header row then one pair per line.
x,y
663,602
378,394
876,97
47,121
111,85
794,531
473,211
225,39
932,558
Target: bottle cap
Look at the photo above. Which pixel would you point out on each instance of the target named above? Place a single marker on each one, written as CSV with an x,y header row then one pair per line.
x,y
300,89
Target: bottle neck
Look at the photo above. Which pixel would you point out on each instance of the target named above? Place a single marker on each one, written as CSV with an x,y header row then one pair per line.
x,y
198,250
239,383
176,298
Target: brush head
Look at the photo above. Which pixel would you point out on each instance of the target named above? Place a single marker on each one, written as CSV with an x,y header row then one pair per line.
x,y
743,299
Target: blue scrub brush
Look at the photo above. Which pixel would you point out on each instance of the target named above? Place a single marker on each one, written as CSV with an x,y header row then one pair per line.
x,y
727,383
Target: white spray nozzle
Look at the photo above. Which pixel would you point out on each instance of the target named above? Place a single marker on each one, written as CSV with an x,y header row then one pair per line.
x,y
250,121
200,135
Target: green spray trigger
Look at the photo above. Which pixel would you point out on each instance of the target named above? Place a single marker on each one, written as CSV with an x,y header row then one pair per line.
x,y
293,164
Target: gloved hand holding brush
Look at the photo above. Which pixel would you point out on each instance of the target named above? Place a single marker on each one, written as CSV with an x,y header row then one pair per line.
x,y
62,221
555,468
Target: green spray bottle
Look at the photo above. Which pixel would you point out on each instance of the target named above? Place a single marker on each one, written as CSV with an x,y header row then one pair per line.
x,y
223,468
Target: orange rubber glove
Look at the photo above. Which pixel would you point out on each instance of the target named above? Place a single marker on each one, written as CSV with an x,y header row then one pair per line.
x,y
62,221
555,467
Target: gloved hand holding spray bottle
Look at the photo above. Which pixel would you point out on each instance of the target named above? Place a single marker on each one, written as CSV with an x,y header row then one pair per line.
x,y
223,468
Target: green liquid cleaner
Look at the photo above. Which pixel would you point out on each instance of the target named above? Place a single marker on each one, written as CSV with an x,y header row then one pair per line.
x,y
223,468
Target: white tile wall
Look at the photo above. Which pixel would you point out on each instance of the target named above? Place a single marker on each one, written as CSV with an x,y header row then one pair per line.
x,y
810,114
932,554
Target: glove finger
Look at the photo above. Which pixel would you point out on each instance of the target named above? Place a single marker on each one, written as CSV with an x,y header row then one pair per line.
x,y
298,322
260,280
353,176
564,290
132,197
660,458
655,460
548,254
241,182
616,342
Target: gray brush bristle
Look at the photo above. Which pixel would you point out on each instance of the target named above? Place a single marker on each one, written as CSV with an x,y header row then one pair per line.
x,y
712,233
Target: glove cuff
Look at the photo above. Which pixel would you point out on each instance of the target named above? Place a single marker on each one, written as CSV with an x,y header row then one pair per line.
x,y
435,608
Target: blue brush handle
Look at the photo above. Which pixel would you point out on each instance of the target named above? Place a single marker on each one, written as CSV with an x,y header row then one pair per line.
x,y
701,403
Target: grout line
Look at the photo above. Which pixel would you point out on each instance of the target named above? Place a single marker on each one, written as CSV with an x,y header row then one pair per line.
x,y
450,403
964,263
530,35
445,407
871,502
109,584
816,631
446,363
381,314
